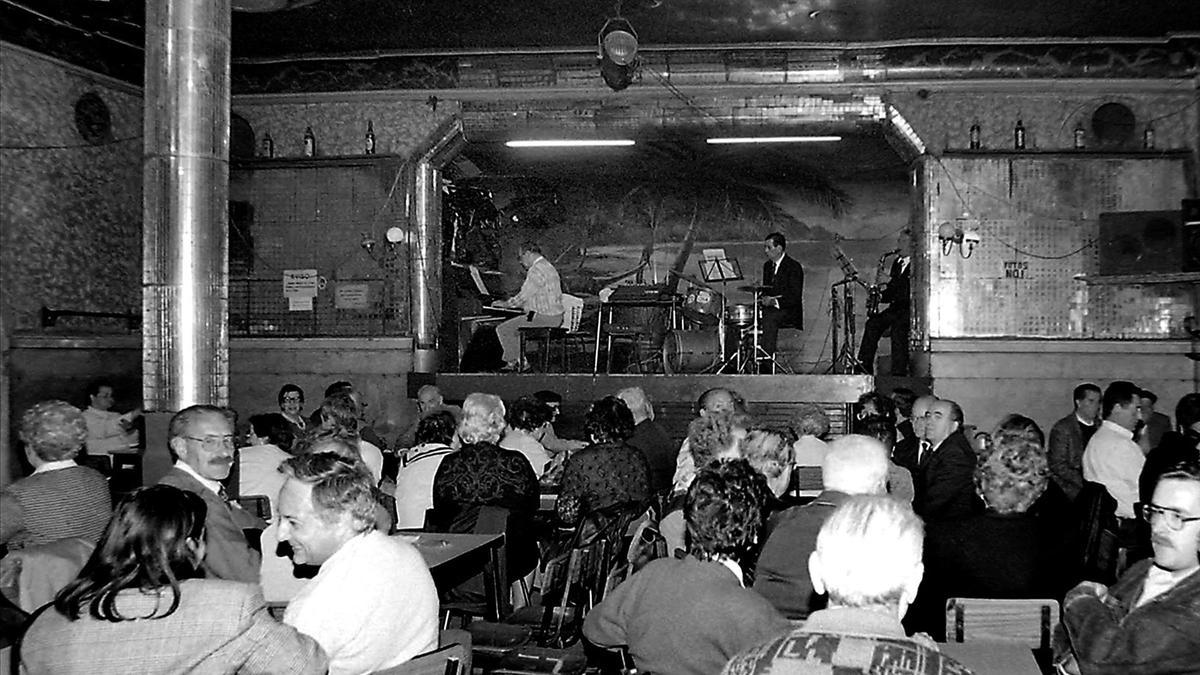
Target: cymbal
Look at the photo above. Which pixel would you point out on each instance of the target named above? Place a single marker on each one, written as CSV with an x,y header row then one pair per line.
x,y
756,289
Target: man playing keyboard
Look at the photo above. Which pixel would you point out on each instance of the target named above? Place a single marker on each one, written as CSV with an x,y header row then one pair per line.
x,y
540,298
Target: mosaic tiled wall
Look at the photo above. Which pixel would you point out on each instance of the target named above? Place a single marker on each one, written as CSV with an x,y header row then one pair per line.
x,y
70,211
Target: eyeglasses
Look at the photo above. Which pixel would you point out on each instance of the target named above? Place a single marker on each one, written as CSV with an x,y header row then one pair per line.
x,y
294,399
1172,518
214,442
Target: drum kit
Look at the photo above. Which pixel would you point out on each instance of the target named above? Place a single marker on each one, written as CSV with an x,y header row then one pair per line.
x,y
722,338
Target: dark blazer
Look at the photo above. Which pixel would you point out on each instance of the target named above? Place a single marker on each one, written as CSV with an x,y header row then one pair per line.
x,y
661,452
219,627
898,291
53,505
782,573
227,553
1065,453
944,481
788,285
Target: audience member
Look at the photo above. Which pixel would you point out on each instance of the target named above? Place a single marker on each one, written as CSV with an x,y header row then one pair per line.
x,y
554,444
340,413
854,465
414,483
769,451
868,560
1175,446
528,419
712,401
882,427
291,406
61,499
690,615
373,604
1112,458
608,472
902,399
1149,621
1156,424
108,431
365,430
811,424
429,401
650,438
141,605
270,438
1003,552
908,449
201,440
944,480
711,437
1070,435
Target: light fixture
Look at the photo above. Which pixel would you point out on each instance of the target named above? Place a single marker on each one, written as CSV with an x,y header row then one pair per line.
x,y
772,139
570,143
394,236
951,234
617,49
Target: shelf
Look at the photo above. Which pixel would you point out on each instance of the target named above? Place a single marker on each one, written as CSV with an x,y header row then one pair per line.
x,y
1159,278
1068,152
307,162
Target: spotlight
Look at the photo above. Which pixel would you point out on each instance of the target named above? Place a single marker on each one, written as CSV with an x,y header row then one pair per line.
x,y
617,47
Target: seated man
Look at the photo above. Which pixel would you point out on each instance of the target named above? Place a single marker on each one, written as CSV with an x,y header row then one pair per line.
x,y
61,499
1149,621
373,605
650,438
854,465
201,440
691,615
868,559
108,431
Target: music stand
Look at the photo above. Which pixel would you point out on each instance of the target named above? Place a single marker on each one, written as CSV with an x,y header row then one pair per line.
x,y
721,270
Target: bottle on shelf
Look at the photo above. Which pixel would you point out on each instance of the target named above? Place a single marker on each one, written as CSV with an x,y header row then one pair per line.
x,y
369,141
1019,135
310,142
1079,138
268,146
975,137
1148,138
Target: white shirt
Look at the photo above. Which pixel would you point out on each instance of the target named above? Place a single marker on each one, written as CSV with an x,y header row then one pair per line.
x,y
527,445
105,434
213,485
809,451
1115,461
372,456
1159,581
258,472
55,466
373,605
414,483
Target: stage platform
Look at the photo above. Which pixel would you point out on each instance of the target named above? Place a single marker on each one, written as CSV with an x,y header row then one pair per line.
x,y
772,399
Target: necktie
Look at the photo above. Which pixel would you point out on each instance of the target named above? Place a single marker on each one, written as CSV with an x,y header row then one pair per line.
x,y
223,494
922,450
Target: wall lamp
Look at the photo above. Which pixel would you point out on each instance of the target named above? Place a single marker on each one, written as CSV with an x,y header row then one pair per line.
x,y
951,234
394,236
617,49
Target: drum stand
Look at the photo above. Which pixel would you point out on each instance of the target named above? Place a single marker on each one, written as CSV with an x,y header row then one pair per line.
x,y
757,353
844,361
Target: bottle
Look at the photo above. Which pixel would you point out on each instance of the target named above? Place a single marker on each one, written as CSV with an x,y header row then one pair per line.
x,y
975,136
1148,138
310,143
369,144
1079,138
268,146
1019,135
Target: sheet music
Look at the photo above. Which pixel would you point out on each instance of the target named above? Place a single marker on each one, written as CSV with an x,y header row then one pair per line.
x,y
478,279
716,267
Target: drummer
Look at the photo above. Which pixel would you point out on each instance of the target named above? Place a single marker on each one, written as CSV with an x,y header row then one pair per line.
x,y
783,298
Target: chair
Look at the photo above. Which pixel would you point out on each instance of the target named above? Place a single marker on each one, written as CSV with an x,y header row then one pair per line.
x,y
1027,621
1098,544
809,481
100,463
562,335
447,660
256,505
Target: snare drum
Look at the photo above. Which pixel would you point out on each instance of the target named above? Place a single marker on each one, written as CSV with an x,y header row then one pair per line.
x,y
740,315
701,307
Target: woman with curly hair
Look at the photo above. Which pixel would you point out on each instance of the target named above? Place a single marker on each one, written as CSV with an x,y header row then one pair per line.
x,y
607,472
1003,552
61,500
141,605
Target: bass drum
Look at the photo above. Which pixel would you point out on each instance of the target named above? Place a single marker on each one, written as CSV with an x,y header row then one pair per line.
x,y
690,351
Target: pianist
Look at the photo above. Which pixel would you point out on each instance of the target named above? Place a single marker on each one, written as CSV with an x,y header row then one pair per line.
x,y
540,298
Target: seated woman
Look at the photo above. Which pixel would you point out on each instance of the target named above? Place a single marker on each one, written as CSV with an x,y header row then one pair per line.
x,y
61,500
1003,552
710,438
481,473
607,472
528,419
140,605
414,482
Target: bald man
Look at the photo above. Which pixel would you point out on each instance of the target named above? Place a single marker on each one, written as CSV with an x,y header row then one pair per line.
x,y
908,449
944,481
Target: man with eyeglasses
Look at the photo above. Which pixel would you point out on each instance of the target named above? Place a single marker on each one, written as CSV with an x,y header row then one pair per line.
x,y
201,441
1149,621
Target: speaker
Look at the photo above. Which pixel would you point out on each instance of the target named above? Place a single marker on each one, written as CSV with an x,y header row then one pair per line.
x,y
1191,235
1141,242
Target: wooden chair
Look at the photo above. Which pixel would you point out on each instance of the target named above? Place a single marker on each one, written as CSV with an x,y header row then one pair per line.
x,y
561,336
447,660
256,505
1027,621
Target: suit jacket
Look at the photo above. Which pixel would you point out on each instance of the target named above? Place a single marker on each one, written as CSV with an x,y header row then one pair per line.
x,y
1065,454
54,505
219,627
782,573
788,284
227,554
944,482
898,291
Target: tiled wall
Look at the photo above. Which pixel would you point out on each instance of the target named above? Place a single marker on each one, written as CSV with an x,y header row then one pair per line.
x,y
70,212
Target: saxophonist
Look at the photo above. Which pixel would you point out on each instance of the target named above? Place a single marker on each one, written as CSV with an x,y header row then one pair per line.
x,y
896,295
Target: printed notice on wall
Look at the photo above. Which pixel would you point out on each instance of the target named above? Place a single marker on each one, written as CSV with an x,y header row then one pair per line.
x,y
300,284
304,304
351,296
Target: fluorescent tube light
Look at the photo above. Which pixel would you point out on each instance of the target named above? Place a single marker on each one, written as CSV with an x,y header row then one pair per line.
x,y
569,143
774,139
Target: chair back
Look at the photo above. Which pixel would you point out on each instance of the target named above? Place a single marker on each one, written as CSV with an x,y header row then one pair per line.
x,y
572,312
808,480
257,505
1027,621
446,660
1097,545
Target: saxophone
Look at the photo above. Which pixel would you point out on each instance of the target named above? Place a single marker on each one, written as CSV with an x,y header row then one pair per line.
x,y
875,294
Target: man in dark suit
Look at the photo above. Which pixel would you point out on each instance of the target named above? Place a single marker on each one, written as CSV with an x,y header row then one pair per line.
x,y
945,478
895,294
650,438
1070,436
201,439
783,304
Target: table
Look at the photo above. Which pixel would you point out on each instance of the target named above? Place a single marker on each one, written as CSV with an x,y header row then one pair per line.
x,y
439,549
988,657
